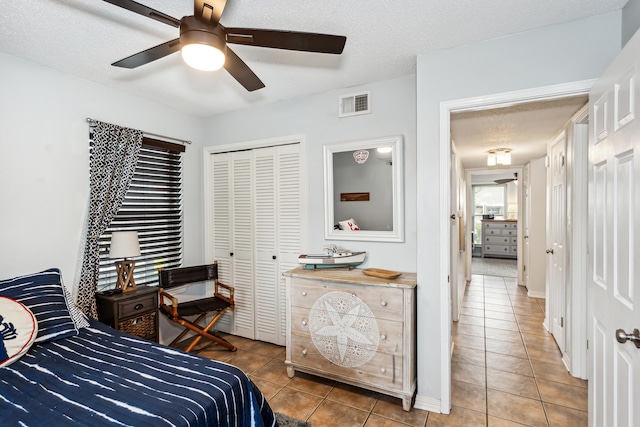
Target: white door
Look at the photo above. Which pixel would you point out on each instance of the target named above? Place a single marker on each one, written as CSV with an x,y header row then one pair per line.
x,y
556,235
279,235
613,289
267,324
454,237
242,233
258,233
526,183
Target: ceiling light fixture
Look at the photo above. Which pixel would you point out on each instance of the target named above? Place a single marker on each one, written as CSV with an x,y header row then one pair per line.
x,y
499,156
203,48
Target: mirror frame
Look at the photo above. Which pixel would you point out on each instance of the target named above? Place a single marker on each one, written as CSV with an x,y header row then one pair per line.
x,y
397,234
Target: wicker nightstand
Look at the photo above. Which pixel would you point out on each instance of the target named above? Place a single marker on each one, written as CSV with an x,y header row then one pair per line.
x,y
134,312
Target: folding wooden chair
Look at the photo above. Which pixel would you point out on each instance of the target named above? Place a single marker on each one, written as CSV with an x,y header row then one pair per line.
x,y
176,312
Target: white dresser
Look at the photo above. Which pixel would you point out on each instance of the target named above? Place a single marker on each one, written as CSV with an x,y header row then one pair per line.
x,y
352,328
499,238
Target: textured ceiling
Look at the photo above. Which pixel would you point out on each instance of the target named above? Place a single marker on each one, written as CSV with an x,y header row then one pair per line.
x,y
82,37
524,128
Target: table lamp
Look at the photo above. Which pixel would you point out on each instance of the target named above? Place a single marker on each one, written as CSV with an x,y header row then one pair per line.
x,y
124,244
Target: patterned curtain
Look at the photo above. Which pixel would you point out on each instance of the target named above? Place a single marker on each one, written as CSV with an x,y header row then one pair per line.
x,y
113,160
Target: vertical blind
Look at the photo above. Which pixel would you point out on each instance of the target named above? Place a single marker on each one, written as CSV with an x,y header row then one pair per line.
x,y
153,208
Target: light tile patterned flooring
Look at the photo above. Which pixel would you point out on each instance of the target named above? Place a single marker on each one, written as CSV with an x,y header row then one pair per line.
x,y
506,371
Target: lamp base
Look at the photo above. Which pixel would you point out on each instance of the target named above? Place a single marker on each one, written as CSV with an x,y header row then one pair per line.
x,y
125,275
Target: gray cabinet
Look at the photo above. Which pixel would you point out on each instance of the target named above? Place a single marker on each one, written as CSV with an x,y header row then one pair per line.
x,y
499,238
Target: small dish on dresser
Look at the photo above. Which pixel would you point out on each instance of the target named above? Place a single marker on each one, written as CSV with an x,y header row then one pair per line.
x,y
383,274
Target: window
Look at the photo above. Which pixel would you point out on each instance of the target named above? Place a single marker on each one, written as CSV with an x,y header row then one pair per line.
x,y
488,200
153,207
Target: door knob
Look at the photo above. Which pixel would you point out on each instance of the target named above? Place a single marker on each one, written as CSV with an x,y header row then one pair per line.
x,y
622,337
549,251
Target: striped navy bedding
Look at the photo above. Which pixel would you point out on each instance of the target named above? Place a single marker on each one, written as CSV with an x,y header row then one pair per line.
x,y
102,377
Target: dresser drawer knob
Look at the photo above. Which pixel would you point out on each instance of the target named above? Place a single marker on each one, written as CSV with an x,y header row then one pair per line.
x,y
304,294
304,352
304,323
138,307
383,303
383,337
383,370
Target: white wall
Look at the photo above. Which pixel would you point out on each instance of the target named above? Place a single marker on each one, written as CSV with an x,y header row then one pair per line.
x,y
537,228
574,51
316,116
44,166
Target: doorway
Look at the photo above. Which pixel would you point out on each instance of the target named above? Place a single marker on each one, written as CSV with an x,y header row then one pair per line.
x,y
480,104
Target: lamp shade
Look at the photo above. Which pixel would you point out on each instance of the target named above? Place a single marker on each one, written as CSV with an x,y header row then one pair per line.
x,y
124,244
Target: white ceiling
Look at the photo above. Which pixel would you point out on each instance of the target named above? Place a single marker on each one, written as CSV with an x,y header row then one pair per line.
x,y
83,37
525,129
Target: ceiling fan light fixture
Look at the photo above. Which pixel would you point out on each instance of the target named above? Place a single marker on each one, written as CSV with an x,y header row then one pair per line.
x,y
203,57
203,47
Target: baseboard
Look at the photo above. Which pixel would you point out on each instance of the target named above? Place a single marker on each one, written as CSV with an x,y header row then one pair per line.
x,y
427,403
536,294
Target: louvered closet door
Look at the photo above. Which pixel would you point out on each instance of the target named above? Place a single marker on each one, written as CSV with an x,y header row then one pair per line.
x,y
291,225
278,234
258,209
266,283
242,243
221,208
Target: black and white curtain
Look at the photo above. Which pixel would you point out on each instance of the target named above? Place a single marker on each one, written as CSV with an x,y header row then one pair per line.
x,y
114,156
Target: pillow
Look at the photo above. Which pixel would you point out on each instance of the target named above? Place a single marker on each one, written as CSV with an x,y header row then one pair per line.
x,y
349,224
18,330
43,293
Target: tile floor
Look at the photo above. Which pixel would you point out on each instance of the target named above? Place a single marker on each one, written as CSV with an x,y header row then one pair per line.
x,y
506,371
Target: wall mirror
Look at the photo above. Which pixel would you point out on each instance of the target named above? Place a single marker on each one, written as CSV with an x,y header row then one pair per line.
x,y
364,190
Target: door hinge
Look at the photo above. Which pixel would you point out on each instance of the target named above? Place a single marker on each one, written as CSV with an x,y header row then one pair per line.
x,y
587,344
448,281
562,322
524,268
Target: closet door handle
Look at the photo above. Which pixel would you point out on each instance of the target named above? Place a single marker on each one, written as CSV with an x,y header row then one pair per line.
x,y
274,257
230,253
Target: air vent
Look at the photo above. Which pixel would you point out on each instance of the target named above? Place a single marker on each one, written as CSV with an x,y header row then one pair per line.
x,y
354,104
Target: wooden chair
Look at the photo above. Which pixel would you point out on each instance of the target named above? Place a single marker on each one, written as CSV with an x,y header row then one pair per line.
x,y
176,312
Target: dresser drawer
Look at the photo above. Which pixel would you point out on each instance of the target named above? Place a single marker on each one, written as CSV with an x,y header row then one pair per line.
x,y
497,240
509,232
389,332
497,249
382,370
384,302
136,306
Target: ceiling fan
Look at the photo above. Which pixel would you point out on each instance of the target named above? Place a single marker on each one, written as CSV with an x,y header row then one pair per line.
x,y
203,37
505,180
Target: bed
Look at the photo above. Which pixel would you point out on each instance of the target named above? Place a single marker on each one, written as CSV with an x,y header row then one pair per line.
x,y
79,372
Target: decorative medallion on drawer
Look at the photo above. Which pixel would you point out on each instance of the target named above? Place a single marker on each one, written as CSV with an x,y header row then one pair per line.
x,y
343,329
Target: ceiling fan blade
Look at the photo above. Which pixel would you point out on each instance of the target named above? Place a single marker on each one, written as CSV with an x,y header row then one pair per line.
x,y
241,72
146,11
149,55
290,40
209,11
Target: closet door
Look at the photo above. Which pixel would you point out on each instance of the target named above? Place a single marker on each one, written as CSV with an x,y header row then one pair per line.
x,y
258,227
291,229
278,234
266,245
242,241
221,209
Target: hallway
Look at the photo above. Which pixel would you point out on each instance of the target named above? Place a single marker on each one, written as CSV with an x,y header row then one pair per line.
x,y
506,369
